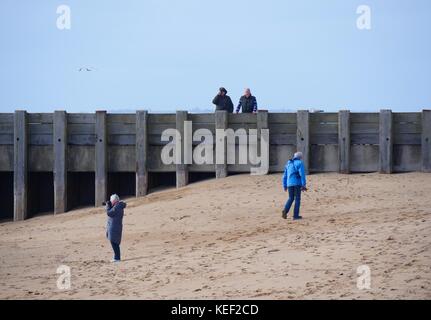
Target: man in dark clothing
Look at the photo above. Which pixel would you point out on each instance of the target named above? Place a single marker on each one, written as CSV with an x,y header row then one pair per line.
x,y
247,102
223,101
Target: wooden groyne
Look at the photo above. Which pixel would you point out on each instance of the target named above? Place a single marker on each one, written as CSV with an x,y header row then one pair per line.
x,y
56,161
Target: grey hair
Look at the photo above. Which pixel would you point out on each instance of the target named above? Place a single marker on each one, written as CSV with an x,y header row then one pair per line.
x,y
298,155
114,198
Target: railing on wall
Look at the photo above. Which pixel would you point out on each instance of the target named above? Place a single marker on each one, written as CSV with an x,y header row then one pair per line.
x,y
65,143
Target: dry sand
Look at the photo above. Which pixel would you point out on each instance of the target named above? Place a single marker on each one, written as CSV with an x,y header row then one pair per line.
x,y
226,239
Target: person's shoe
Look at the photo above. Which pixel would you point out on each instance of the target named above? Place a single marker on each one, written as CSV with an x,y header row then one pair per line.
x,y
297,218
115,260
284,214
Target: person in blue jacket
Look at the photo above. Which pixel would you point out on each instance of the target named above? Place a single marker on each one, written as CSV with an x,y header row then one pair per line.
x,y
114,226
294,181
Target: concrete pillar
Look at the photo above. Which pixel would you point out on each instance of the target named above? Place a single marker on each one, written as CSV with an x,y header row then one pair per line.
x,y
20,165
221,123
344,141
141,153
385,141
182,171
60,161
101,175
303,136
426,140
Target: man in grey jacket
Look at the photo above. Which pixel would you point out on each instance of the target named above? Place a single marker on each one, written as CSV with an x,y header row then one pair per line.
x,y
114,226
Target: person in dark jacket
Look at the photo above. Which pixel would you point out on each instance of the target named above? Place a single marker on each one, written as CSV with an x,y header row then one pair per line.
x,y
247,103
114,226
223,101
294,181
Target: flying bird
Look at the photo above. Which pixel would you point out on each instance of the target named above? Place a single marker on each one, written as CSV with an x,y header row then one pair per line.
x,y
85,69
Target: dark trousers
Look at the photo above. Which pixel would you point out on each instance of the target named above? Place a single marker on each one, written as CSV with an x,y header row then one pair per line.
x,y
294,195
116,248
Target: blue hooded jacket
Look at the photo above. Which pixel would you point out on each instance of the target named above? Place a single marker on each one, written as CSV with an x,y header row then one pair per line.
x,y
114,226
294,174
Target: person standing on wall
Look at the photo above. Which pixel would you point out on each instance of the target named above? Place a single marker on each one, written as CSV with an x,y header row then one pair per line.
x,y
223,101
294,182
114,226
247,103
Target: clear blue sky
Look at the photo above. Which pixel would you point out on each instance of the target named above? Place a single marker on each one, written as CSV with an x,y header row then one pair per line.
x,y
165,55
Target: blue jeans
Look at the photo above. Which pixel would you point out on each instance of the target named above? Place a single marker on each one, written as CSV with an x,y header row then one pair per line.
x,y
116,248
294,195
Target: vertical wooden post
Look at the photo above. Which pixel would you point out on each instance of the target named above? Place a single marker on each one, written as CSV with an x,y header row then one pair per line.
x,y
182,172
426,140
60,169
344,141
262,121
221,123
20,165
141,153
101,179
303,136
385,141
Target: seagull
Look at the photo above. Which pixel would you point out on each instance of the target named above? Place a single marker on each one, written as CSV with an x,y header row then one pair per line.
x,y
85,69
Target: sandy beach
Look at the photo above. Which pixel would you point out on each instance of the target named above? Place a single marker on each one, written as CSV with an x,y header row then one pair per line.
x,y
225,239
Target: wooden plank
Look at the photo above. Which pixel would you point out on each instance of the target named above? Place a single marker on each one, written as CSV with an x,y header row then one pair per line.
x,y
331,138
282,128
407,127
364,138
81,139
40,158
6,117
282,139
160,127
6,128
101,178
326,117
241,118
415,117
122,139
372,117
407,138
282,118
60,162
20,165
79,118
364,127
141,153
319,128
344,141
303,136
124,118
37,128
40,139
156,118
39,118
221,123
182,172
385,141
426,140
121,128
81,128
6,139
207,118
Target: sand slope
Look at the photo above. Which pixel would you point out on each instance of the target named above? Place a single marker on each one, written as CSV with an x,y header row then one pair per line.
x,y
226,239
